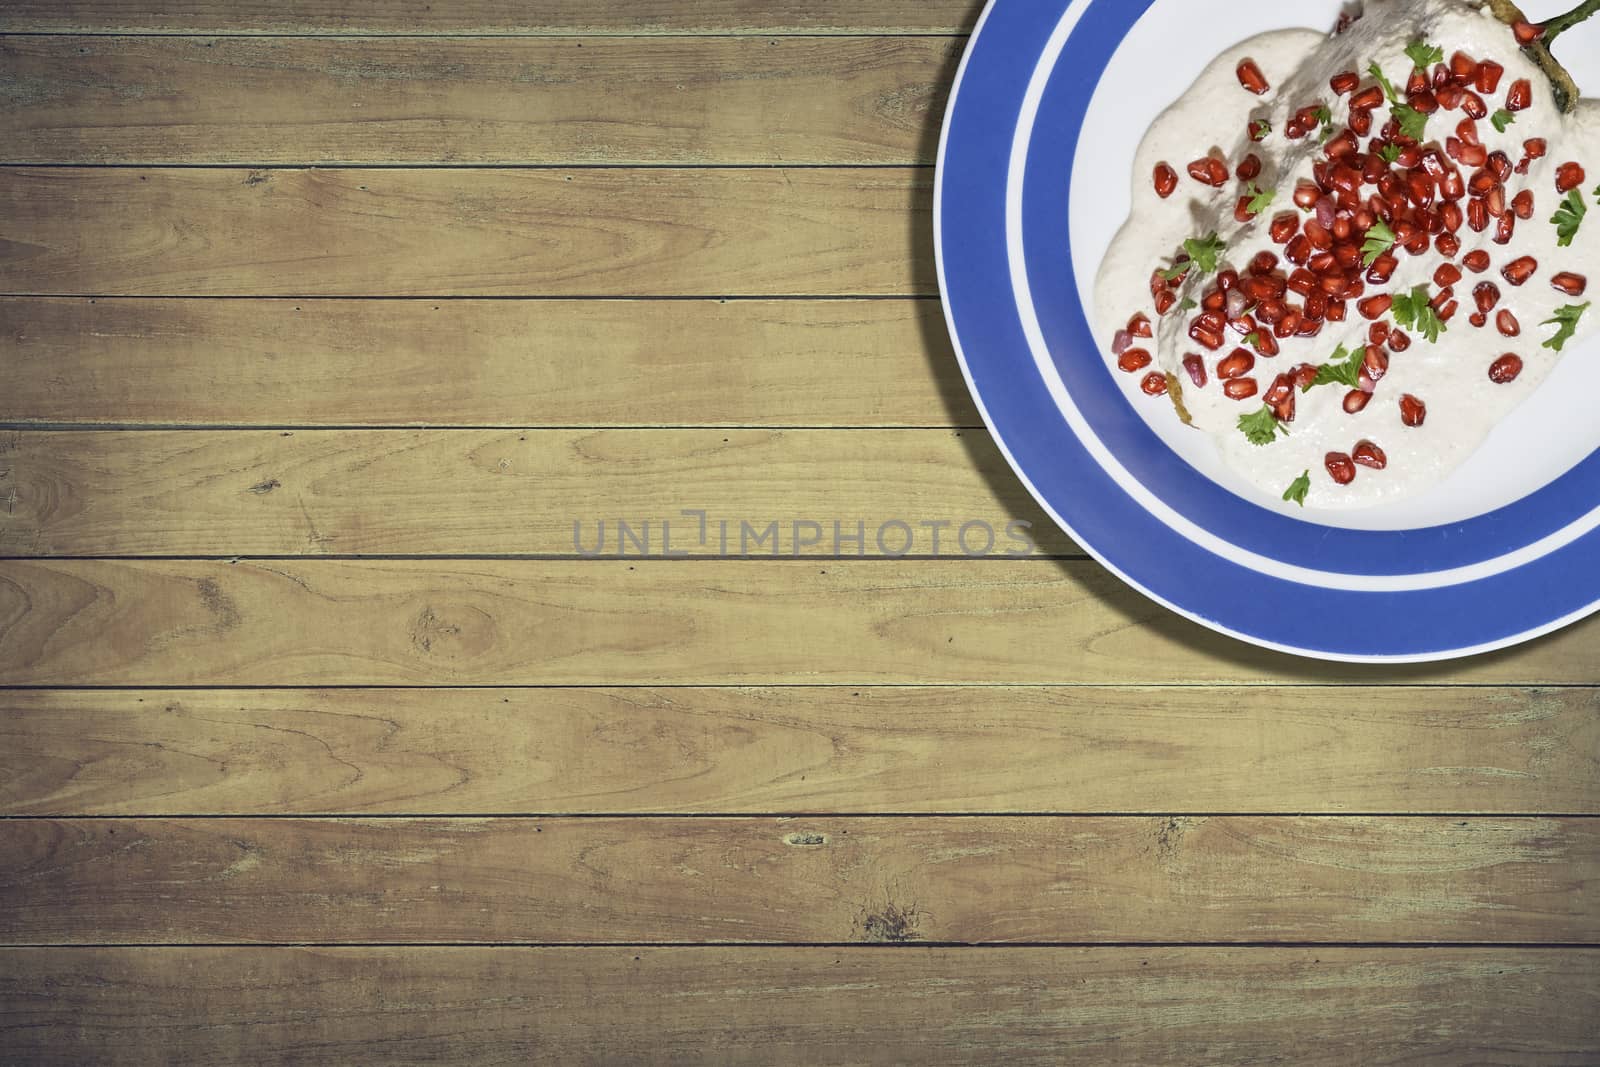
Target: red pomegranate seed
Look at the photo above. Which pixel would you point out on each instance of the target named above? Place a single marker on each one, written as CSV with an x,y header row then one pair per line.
x,y
1473,155
1568,177
1368,99
1481,182
1499,165
1383,268
1251,78
1134,359
1166,180
1478,319
1536,147
1447,275
1239,388
1507,323
1399,340
1375,307
1496,201
1505,369
1486,295
1424,101
1227,279
1378,332
1449,96
1526,32
1341,468
1489,74
1520,96
1478,216
1200,170
1570,283
1463,67
1249,167
1263,263
1236,364
1346,82
1284,226
1504,229
1448,245
1448,310
1369,455
1139,326
1266,344
1165,301
1413,412
1361,121
1355,401
1287,326
1280,398
1467,130
1522,204
1154,383
1416,81
1476,261
1472,104
1519,270
1196,368
1337,310
1211,339
1375,364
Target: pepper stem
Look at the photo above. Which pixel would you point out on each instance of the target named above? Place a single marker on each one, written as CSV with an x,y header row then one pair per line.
x,y
1562,23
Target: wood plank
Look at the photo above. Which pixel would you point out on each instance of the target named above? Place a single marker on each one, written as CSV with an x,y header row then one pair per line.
x,y
794,750
453,232
819,879
490,17
511,363
620,100
639,622
1322,1007
505,492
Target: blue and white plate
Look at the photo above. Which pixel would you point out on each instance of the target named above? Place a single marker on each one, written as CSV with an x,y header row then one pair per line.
x,y
1034,178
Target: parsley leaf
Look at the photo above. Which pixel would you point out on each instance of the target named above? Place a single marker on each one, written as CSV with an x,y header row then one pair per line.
x,y
1502,119
1261,200
1204,252
1260,427
1253,339
1188,305
1379,240
1390,153
1343,368
1259,129
1424,55
1413,311
1568,217
1413,123
1567,321
1296,493
1388,86
1178,270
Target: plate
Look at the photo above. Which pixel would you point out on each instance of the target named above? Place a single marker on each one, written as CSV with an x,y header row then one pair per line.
x,y
1048,108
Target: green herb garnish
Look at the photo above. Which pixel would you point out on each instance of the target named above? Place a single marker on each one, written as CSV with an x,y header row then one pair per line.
x,y
1424,55
1261,427
1502,119
1343,368
1253,339
1390,153
1388,86
1413,123
1296,493
1569,216
1188,304
1567,322
1261,200
1204,252
1413,311
1379,240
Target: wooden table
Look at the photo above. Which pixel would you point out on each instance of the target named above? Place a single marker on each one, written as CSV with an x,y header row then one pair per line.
x,y
324,741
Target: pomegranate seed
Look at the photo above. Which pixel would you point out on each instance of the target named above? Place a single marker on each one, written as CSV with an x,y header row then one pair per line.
x,y
1139,326
1496,202
1448,311
1481,182
1197,370
1368,99
1249,167
1478,216
1489,74
1383,268
1413,412
1568,177
1499,165
1504,229
1486,295
1356,401
1346,82
1266,344
1473,155
1361,121
1526,32
1519,270
1236,364
1378,332
1306,195
1505,369
1251,78
1448,245
1507,323
1166,180
1467,130
1399,340
1522,204
1478,319
1284,226
1416,81
1476,261
1520,96
1423,101
1337,311
1154,383
1134,359
1340,467
1570,283
1239,388
1280,398
1241,209
1463,67
1449,96
1263,263
1447,275
1165,301
1201,171
1369,455
1374,307
1536,147
1375,364
1473,105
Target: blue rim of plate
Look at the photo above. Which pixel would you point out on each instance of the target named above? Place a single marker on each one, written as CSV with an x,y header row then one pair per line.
x,y
1002,233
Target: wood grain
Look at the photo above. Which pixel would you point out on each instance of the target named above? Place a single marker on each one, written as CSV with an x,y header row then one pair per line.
x,y
647,622
449,232
1322,1007
534,492
1045,879
509,363
491,17
800,750
621,100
